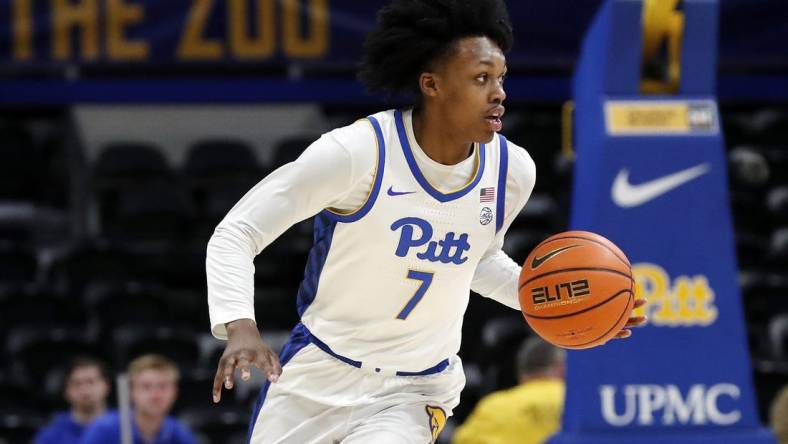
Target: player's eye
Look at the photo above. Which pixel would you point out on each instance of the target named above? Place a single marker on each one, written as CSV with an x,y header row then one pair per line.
x,y
481,78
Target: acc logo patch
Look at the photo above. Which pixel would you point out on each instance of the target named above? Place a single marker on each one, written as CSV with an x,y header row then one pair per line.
x,y
437,418
486,216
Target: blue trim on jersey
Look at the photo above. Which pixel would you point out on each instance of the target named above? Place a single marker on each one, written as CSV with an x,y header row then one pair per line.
x,y
414,168
323,346
373,195
299,338
504,170
441,366
323,234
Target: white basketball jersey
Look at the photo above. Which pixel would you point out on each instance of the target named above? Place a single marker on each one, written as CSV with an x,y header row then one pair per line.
x,y
388,284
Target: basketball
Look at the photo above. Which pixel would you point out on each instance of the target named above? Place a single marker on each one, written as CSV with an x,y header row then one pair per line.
x,y
576,289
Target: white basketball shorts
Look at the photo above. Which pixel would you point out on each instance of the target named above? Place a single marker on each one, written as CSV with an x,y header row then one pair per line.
x,y
322,400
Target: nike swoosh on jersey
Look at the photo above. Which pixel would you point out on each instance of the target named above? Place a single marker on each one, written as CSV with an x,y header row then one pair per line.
x,y
391,192
627,195
537,261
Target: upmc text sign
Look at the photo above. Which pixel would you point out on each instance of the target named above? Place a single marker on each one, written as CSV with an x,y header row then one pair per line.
x,y
668,405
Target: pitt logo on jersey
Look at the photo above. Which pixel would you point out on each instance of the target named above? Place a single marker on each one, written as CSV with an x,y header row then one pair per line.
x,y
449,250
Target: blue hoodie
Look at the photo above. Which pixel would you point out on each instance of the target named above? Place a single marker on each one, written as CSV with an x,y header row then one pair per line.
x,y
106,430
62,430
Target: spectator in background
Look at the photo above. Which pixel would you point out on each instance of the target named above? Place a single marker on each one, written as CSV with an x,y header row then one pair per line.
x,y
86,388
154,388
778,416
528,413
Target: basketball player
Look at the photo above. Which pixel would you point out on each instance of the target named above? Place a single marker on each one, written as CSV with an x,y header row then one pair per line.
x,y
411,209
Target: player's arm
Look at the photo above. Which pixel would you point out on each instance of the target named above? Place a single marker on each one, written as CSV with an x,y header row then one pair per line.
x,y
497,274
321,177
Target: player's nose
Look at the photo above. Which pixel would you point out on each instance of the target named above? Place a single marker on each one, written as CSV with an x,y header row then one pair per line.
x,y
498,94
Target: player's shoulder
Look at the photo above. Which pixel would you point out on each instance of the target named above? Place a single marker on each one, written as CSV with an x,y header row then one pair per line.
x,y
521,170
519,156
362,131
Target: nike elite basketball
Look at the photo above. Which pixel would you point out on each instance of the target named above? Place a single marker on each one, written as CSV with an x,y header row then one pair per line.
x,y
576,289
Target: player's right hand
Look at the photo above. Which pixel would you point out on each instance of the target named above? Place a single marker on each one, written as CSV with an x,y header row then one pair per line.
x,y
244,349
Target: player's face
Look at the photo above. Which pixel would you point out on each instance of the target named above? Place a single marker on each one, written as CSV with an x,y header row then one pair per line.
x,y
86,389
153,392
471,89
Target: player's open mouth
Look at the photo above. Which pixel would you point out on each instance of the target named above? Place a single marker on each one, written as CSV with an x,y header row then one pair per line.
x,y
494,118
494,123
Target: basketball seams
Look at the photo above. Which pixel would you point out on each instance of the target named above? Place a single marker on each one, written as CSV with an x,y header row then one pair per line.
x,y
575,313
594,264
550,239
576,346
565,270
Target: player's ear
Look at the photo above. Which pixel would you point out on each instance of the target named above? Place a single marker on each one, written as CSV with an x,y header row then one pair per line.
x,y
428,84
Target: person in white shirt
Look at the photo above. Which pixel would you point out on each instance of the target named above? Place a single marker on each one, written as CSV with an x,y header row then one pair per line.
x,y
411,207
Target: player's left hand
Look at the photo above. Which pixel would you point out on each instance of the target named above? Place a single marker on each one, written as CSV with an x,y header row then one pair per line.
x,y
634,321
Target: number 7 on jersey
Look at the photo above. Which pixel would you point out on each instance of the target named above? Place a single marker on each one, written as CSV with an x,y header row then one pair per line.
x,y
426,280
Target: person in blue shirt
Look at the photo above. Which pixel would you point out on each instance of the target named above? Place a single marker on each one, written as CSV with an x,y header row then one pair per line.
x,y
154,388
86,388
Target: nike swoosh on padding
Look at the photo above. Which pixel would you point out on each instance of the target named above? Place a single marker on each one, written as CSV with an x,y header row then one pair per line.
x,y
540,260
626,195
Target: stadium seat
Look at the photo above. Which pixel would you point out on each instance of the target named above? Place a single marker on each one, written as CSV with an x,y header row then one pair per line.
x,y
763,295
89,262
777,203
20,164
226,425
122,162
502,337
153,211
217,174
778,337
220,160
519,242
44,310
125,177
17,428
18,265
541,213
194,389
288,150
768,379
115,304
749,212
777,158
132,341
778,249
751,249
748,168
17,397
34,351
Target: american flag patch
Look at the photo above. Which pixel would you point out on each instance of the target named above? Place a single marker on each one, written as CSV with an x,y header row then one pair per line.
x,y
487,194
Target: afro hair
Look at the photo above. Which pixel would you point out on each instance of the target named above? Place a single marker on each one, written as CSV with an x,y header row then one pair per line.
x,y
413,34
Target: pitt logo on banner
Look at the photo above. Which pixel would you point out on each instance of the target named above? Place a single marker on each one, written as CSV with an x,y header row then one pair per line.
x,y
683,301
